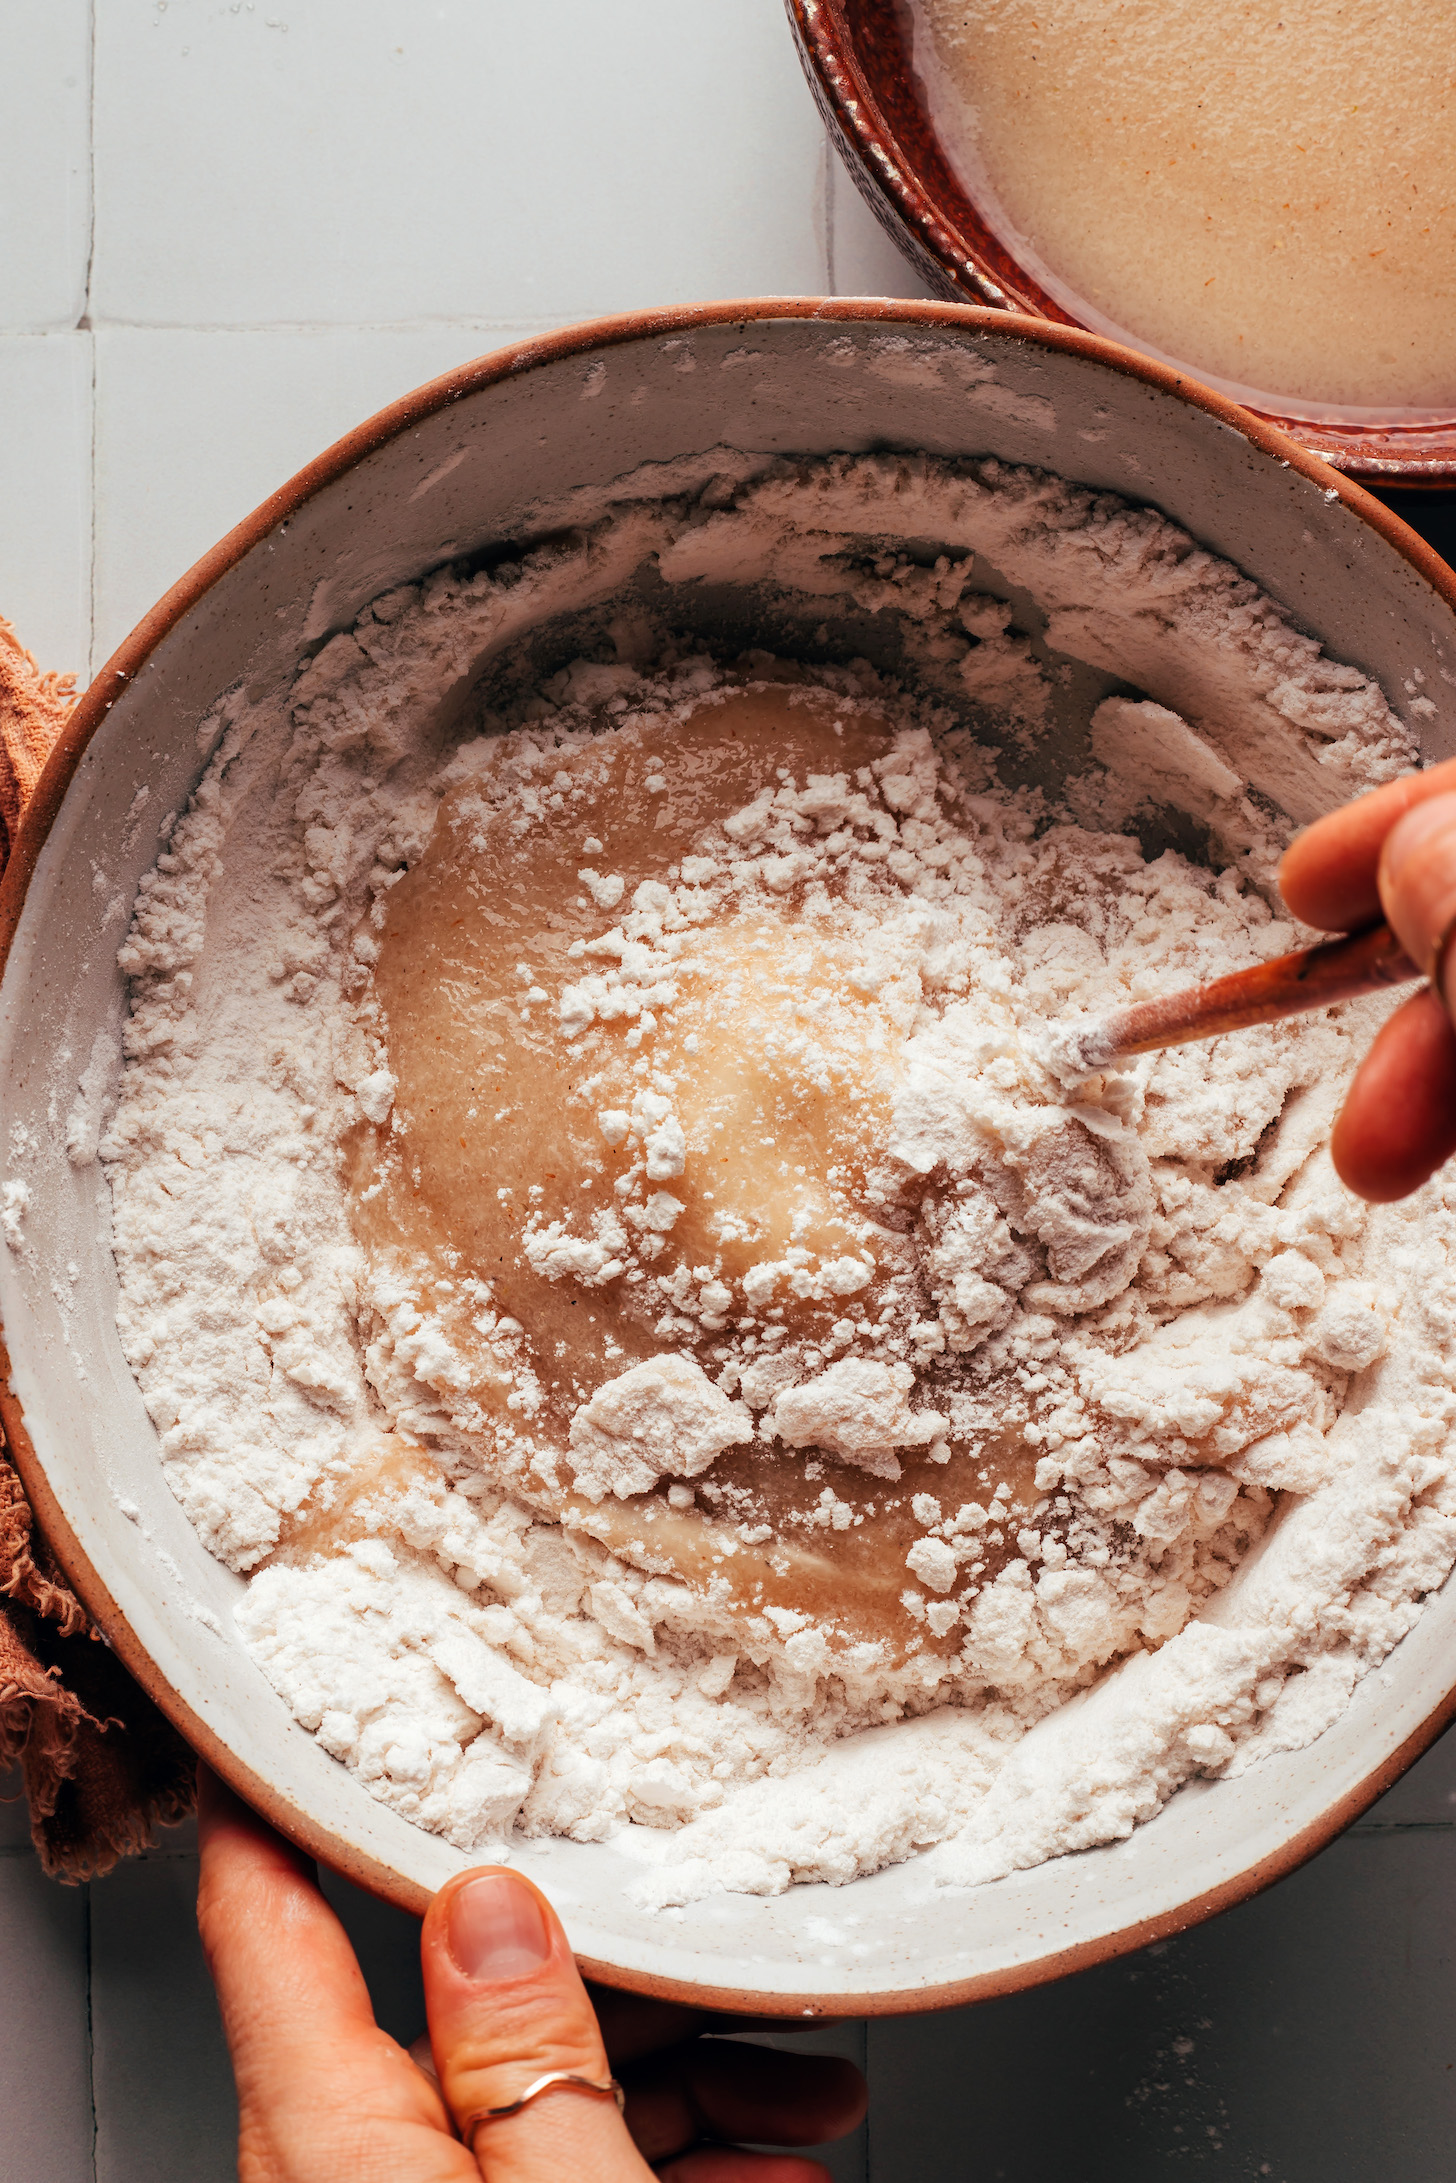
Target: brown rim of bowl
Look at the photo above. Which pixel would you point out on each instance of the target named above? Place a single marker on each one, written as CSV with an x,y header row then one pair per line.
x,y
856,55
92,708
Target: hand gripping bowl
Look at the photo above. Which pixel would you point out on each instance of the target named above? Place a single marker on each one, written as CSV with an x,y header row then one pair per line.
x,y
454,469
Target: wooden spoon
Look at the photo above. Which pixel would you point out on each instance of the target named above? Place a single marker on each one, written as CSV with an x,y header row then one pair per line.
x,y
1312,977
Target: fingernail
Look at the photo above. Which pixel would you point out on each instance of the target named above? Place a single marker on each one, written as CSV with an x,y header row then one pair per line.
x,y
496,1929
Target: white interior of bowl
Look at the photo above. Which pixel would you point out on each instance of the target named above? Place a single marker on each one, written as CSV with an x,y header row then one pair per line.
x,y
467,475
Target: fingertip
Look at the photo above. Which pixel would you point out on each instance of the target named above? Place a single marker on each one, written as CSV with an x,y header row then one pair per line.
x,y
225,1823
1328,874
1302,878
492,1923
845,2093
730,2164
1398,1123
744,2091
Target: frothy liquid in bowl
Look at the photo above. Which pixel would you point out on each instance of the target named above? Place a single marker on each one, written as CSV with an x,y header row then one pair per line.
x,y
602,1253
1265,192
690,1177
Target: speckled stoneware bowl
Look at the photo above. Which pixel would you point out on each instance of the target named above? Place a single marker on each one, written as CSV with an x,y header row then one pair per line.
x,y
858,56
449,470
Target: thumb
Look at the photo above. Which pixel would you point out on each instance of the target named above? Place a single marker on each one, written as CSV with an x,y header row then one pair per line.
x,y
1418,884
506,2006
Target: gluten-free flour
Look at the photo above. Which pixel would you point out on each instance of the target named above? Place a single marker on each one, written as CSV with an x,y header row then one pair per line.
x,y
602,1252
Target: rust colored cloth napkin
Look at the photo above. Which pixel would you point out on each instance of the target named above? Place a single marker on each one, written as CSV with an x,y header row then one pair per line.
x,y
102,1767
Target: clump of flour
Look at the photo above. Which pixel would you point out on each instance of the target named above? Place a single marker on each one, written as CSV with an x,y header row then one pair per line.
x,y
1153,1281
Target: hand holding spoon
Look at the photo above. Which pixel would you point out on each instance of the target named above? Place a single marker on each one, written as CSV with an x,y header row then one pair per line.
x,y
1390,853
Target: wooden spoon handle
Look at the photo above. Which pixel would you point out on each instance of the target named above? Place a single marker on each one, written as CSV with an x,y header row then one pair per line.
x,y
1313,977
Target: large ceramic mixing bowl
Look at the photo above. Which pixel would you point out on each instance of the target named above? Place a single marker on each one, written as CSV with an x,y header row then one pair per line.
x,y
450,470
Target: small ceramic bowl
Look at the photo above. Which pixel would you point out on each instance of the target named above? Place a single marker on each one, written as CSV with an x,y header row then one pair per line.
x,y
452,469
858,57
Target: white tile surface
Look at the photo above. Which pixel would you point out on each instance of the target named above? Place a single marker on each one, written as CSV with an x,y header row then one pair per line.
x,y
45,495
193,430
305,161
862,259
162,2085
45,2094
45,161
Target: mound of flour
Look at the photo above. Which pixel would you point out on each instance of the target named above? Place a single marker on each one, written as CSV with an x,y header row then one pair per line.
x,y
1240,1378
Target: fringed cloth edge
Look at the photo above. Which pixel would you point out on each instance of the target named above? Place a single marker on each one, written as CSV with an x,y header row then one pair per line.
x,y
101,1765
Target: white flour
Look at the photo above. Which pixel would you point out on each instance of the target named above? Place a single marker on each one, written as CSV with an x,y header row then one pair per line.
x,y
1238,1378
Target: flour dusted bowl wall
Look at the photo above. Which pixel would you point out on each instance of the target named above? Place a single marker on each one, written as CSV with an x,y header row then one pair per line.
x,y
490,455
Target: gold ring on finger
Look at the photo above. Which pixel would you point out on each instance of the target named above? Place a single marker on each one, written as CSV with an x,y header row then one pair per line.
x,y
567,2078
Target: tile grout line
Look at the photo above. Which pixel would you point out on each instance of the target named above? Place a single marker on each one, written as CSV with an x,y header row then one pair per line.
x,y
90,2037
526,324
1403,1826
90,167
